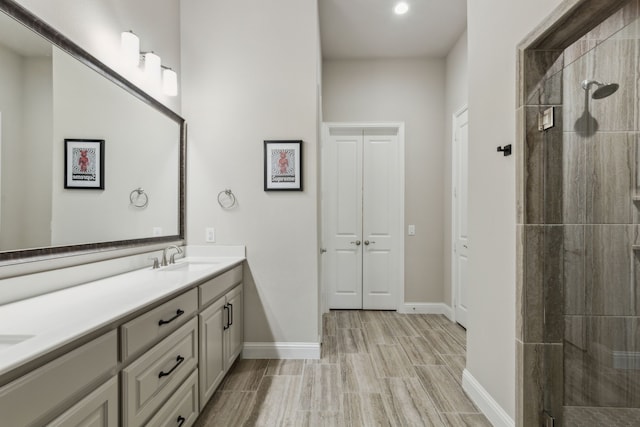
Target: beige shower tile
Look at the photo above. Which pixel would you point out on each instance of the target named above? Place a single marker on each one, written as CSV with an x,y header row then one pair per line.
x,y
574,180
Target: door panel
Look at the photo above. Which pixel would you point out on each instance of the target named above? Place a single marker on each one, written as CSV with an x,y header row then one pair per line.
x,y
380,218
460,200
344,223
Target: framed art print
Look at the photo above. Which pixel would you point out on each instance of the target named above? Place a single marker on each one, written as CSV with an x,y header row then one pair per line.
x,y
282,165
84,163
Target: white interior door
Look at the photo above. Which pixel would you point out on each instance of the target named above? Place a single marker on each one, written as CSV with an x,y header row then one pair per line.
x,y
343,195
362,200
460,229
380,219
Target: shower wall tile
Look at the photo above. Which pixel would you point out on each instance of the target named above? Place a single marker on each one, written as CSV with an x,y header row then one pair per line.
x,y
574,270
543,77
616,22
578,49
601,361
542,290
576,114
520,164
553,174
610,178
574,185
539,367
615,61
610,286
534,169
520,270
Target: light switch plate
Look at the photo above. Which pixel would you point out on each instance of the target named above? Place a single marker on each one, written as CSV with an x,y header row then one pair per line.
x,y
210,234
157,231
412,230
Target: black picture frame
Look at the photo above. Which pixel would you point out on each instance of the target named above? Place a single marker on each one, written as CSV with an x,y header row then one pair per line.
x,y
283,165
84,164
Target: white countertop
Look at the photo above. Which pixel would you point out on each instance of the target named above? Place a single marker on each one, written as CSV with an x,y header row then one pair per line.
x,y
50,321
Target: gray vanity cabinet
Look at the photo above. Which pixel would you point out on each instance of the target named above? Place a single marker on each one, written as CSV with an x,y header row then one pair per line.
x,y
98,409
221,329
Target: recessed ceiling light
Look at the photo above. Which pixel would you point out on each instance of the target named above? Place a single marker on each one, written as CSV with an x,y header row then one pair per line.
x,y
401,8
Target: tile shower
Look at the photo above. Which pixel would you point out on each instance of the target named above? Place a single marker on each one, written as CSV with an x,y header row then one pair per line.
x,y
578,323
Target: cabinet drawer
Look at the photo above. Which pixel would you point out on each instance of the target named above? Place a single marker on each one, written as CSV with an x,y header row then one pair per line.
x,y
100,408
214,288
25,401
157,323
155,375
182,408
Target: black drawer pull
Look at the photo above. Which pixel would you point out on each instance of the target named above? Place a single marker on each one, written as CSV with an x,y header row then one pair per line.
x,y
181,420
179,360
231,321
226,325
178,314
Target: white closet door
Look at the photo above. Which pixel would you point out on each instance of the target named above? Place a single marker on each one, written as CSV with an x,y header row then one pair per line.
x,y
343,195
380,219
460,200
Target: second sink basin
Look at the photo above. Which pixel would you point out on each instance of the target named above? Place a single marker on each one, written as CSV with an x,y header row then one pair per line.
x,y
7,341
190,266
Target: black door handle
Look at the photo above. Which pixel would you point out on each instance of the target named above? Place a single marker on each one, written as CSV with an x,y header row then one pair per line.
x,y
226,325
178,314
231,322
179,360
181,420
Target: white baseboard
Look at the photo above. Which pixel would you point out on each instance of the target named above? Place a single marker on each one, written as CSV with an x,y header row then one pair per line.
x,y
427,308
483,400
281,350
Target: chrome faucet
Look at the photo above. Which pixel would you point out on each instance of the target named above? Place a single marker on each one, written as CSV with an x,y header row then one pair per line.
x,y
172,258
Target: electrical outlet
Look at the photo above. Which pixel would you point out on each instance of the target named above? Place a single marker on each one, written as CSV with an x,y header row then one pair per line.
x,y
412,230
210,234
157,231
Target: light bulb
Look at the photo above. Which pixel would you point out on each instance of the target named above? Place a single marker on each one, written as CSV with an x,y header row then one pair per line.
x,y
152,68
401,8
130,45
169,82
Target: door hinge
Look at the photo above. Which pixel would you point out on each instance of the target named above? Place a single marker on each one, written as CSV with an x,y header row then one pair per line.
x,y
548,420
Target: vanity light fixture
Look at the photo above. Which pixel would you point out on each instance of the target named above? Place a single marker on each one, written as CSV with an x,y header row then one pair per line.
x,y
169,81
152,68
130,45
401,8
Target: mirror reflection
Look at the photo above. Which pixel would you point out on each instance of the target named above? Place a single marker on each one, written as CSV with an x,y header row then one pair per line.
x,y
47,96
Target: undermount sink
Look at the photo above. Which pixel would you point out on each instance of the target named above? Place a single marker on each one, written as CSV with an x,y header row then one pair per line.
x,y
190,266
7,341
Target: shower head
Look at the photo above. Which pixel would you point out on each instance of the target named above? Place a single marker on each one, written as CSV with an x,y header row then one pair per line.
x,y
603,90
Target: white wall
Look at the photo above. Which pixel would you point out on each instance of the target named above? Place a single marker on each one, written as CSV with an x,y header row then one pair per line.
x,y
495,28
410,91
457,96
249,75
96,27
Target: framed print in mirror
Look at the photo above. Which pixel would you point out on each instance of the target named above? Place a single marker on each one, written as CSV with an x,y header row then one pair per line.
x,y
84,163
282,165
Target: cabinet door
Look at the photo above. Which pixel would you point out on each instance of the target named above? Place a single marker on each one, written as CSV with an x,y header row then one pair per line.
x,y
212,322
235,333
98,409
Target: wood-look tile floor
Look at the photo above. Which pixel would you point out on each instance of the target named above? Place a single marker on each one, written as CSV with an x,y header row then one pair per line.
x,y
378,368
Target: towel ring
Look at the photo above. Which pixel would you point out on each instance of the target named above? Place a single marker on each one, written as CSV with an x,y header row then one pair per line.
x,y
226,199
139,198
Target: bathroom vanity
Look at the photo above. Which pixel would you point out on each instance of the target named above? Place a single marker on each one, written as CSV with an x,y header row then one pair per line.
x,y
148,347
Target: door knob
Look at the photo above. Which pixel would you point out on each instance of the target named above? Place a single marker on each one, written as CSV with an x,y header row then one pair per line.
x,y
357,243
366,242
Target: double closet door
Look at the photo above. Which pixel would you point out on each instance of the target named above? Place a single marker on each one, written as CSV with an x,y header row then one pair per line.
x,y
362,217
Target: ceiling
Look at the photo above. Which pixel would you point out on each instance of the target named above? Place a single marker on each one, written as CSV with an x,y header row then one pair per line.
x,y
366,29
20,39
